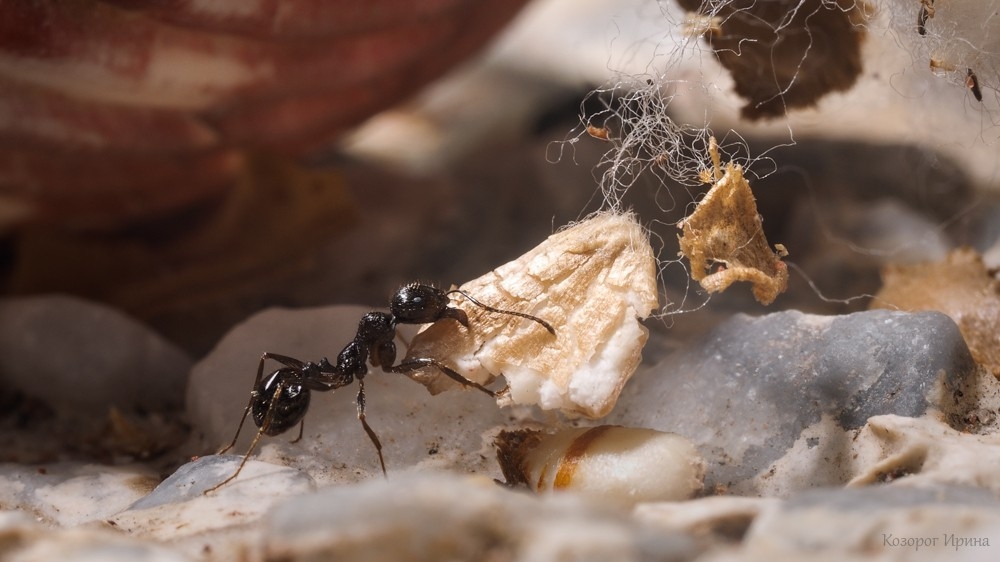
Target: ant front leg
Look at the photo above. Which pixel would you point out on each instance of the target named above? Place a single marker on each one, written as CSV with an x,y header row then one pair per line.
x,y
384,355
417,364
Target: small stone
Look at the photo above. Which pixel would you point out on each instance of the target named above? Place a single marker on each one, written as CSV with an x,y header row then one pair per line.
x,y
754,388
192,480
179,507
79,356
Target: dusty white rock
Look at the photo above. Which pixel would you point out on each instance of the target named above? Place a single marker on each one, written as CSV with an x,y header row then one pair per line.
x,y
24,540
613,464
721,517
925,451
942,523
592,281
72,493
438,516
178,507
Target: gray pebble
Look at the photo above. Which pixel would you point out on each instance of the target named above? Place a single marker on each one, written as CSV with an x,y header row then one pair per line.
x,y
747,391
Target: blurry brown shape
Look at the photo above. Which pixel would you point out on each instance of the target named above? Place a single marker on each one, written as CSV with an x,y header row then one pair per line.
x,y
960,286
250,238
115,111
786,54
600,133
725,231
972,82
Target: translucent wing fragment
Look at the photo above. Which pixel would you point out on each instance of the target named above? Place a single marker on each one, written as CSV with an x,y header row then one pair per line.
x,y
592,281
725,232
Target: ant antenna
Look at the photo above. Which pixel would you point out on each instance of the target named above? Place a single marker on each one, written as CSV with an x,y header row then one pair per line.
x,y
544,324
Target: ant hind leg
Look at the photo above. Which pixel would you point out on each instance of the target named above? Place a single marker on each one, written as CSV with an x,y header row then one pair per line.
x,y
253,444
302,427
239,469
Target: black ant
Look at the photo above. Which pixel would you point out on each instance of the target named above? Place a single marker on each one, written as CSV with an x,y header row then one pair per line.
x,y
280,400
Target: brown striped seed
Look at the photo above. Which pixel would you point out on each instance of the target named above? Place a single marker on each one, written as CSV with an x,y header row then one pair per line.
x,y
620,465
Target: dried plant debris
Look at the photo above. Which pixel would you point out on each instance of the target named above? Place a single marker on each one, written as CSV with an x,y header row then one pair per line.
x,y
725,231
618,465
592,281
960,286
784,54
959,38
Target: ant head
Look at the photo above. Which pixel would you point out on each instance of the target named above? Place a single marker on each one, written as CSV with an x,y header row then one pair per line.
x,y
286,406
419,304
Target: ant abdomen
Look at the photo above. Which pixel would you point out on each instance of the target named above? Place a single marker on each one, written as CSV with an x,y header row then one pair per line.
x,y
285,410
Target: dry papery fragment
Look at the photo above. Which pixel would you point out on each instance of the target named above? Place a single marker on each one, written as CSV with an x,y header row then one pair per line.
x,y
614,464
592,281
960,286
725,231
783,54
961,38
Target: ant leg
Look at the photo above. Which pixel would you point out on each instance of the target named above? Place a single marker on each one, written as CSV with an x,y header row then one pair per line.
x,y
302,426
246,457
368,429
239,428
253,444
284,360
417,364
543,323
246,411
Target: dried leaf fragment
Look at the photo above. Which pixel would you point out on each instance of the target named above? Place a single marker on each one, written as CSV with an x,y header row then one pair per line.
x,y
725,230
785,54
961,287
592,281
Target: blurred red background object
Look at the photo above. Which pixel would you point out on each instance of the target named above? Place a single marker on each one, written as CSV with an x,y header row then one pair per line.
x,y
113,112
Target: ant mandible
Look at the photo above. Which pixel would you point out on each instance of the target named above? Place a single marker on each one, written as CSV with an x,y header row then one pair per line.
x,y
280,400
